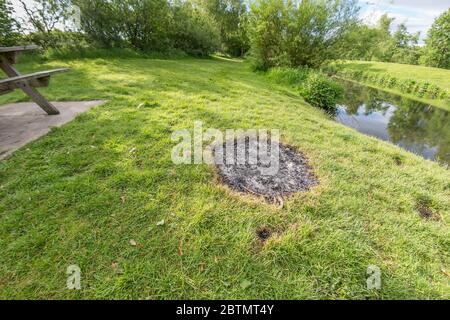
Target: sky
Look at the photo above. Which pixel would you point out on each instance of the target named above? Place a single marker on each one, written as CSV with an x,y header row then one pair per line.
x,y
418,15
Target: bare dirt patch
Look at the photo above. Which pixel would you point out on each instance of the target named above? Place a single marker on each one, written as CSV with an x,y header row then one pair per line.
x,y
264,234
426,213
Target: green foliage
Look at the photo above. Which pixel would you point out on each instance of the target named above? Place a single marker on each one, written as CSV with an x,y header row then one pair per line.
x,y
316,29
58,40
231,17
9,27
320,91
295,33
421,89
315,87
363,42
150,25
45,15
194,31
403,47
288,76
437,49
267,23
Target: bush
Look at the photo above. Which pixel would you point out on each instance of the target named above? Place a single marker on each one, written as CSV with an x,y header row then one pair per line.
x,y
322,92
59,40
422,89
407,86
433,91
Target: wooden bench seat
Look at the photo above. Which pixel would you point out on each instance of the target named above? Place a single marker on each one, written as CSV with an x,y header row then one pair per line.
x,y
35,80
18,48
10,53
28,82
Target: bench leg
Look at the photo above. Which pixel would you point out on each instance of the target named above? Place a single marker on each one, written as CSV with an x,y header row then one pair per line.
x,y
40,100
30,91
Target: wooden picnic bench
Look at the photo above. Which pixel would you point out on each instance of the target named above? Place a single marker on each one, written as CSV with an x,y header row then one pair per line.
x,y
28,82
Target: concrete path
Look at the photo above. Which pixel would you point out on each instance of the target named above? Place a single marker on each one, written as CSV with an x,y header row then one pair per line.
x,y
21,123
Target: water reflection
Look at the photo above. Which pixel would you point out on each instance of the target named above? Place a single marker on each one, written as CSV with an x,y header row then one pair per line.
x,y
416,127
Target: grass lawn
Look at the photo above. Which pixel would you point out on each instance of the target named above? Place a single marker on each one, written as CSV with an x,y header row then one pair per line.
x,y
436,76
86,192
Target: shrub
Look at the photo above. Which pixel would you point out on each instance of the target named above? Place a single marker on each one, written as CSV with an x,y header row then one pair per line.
x,y
322,92
407,86
422,89
433,91
419,89
391,82
59,40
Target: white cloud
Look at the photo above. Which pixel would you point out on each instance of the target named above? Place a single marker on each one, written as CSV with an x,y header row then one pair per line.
x,y
418,15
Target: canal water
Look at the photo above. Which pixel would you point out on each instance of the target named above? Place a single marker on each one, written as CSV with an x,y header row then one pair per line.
x,y
414,126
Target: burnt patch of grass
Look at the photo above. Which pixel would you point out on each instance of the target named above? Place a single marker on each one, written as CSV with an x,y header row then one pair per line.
x,y
427,213
264,233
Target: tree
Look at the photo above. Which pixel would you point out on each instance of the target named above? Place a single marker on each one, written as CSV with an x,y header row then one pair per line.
x,y
437,48
101,20
364,42
150,25
403,46
268,23
47,15
9,27
194,30
317,28
294,32
231,17
46,19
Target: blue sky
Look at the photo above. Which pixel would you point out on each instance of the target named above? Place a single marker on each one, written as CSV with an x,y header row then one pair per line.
x,y
418,15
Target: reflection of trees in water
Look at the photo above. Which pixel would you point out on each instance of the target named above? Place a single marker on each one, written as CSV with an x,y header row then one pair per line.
x,y
356,96
412,122
417,124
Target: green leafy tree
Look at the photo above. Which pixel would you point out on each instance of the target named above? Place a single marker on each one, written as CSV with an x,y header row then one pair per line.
x,y
299,32
9,27
47,15
231,17
364,42
46,19
150,25
101,21
437,48
194,30
316,29
268,24
403,46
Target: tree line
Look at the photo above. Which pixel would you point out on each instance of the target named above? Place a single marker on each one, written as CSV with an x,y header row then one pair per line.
x,y
270,33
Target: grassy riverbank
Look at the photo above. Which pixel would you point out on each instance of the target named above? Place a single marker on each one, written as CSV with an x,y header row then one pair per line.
x,y
102,193
403,72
